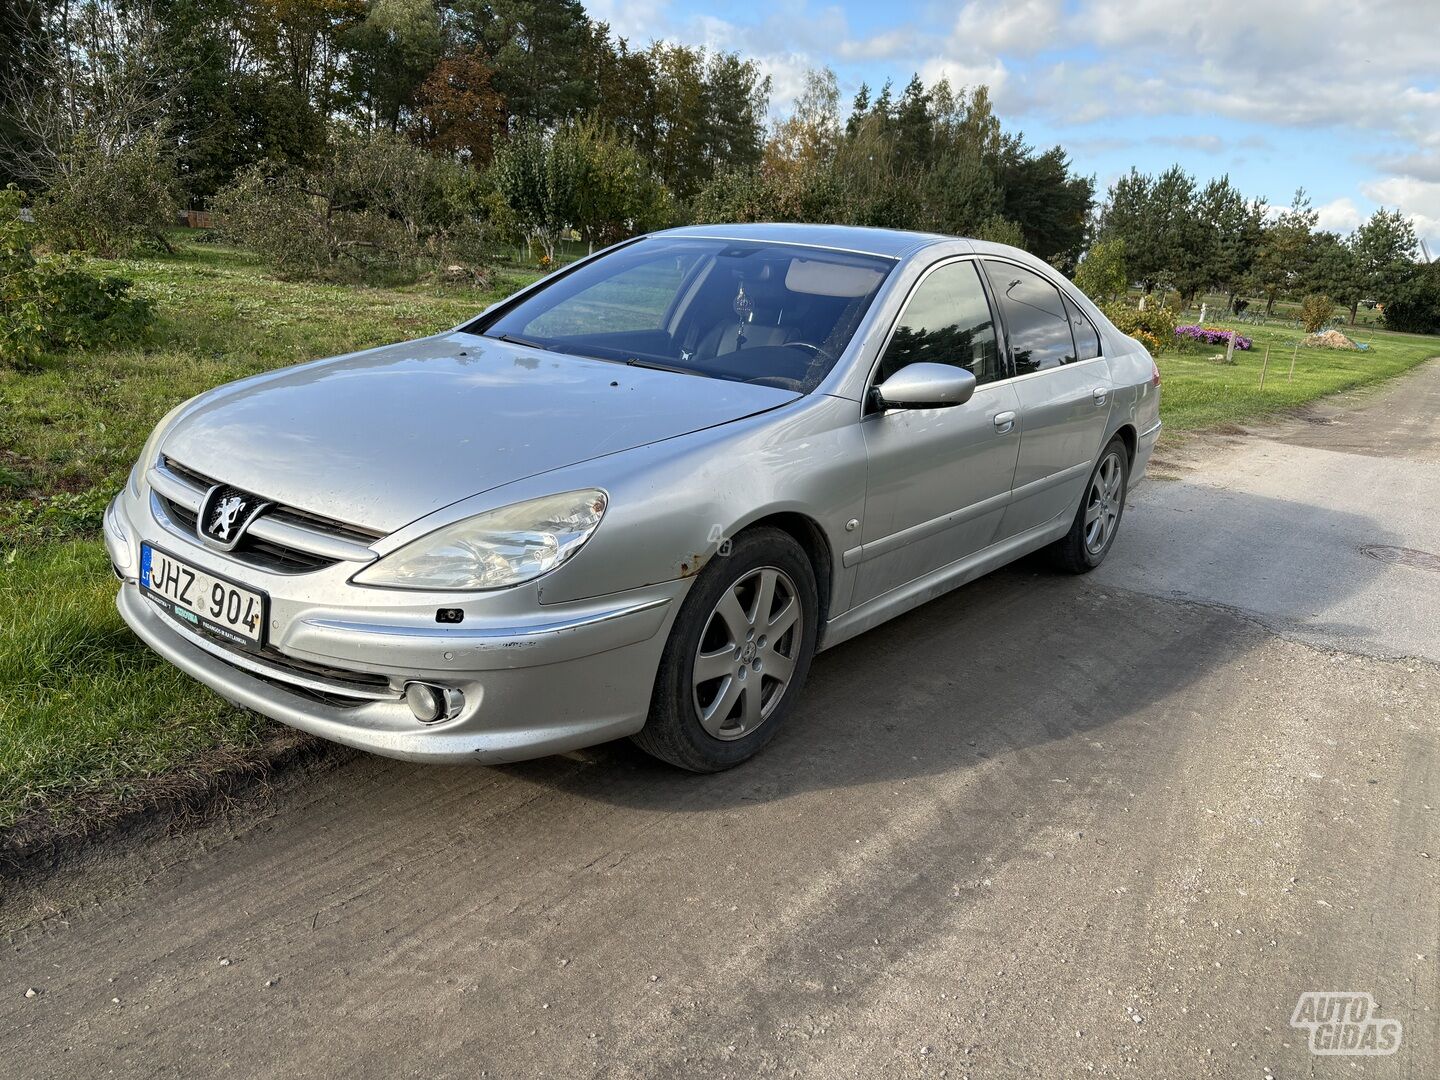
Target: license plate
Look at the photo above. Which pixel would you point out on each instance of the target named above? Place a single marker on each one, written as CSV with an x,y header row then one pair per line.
x,y
203,599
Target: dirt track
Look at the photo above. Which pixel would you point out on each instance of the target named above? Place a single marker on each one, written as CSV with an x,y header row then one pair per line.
x,y
1045,825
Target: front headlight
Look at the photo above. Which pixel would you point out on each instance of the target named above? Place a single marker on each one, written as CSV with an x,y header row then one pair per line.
x,y
493,550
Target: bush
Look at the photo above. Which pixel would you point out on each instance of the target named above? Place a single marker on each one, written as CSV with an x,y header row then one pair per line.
x,y
1101,274
1315,312
1415,309
373,209
55,305
1157,322
110,201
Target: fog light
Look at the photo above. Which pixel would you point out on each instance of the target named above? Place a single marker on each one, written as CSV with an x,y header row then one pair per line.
x,y
431,704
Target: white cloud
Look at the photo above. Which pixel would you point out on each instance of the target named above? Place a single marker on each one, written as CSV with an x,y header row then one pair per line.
x,y
639,21
1019,27
880,47
1416,199
961,73
1339,215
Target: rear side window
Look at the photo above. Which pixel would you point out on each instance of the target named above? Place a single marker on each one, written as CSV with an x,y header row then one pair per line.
x,y
946,321
1087,339
1035,318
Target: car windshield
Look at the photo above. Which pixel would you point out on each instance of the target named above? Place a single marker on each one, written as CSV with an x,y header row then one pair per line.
x,y
726,309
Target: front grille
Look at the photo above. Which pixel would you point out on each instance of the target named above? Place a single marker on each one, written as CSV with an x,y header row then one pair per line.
x,y
302,542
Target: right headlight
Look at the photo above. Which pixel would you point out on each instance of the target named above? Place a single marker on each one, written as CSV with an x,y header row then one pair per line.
x,y
494,550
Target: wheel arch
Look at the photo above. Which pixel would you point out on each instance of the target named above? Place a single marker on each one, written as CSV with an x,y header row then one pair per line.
x,y
1131,439
806,532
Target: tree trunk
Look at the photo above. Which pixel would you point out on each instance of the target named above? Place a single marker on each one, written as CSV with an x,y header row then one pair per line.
x,y
1355,307
1269,306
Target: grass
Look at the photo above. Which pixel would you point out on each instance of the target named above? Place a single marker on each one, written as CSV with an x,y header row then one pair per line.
x,y
85,709
90,717
1200,393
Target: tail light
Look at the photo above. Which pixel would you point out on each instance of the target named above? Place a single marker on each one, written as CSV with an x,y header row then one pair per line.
x,y
1154,373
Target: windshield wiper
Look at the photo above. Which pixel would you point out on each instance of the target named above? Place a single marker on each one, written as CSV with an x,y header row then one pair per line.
x,y
653,365
515,339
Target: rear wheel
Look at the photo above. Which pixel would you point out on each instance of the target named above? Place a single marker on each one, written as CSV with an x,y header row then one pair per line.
x,y
1097,521
737,656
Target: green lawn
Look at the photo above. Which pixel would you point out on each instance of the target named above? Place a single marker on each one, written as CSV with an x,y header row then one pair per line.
x,y
87,712
1200,393
85,709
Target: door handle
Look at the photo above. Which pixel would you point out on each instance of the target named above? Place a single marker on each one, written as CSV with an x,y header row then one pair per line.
x,y
1004,422
1101,395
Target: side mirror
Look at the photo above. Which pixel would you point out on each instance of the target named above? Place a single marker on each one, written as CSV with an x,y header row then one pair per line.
x,y
925,386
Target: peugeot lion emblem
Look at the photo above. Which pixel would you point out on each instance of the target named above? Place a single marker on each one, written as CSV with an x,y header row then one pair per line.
x,y
225,516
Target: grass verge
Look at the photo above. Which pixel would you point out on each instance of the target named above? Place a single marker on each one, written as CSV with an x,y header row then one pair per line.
x,y
90,719
91,722
1200,393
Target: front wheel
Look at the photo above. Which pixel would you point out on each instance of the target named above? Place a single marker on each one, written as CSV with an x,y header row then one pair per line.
x,y
1097,521
737,656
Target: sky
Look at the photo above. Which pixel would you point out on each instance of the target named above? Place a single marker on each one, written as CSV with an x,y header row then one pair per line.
x,y
1339,97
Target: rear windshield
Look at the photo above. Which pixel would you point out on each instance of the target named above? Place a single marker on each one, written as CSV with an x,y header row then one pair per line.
x,y
740,310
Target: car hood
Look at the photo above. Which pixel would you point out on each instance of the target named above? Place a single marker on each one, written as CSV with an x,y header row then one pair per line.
x,y
384,437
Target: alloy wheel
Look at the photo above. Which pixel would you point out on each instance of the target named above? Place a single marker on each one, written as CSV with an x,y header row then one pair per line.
x,y
1102,506
747,652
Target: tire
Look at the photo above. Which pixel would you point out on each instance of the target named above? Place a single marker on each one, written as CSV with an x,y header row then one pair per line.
x,y
721,720
1083,548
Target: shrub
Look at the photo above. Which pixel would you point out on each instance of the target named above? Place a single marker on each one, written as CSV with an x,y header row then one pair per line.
x,y
373,208
1150,341
1315,312
1101,274
110,201
54,305
1158,322
1415,308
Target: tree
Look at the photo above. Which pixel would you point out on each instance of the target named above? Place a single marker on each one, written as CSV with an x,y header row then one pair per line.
x,y
809,137
913,126
458,110
540,50
614,193
24,42
1051,206
1332,270
1415,306
1101,274
1385,249
1280,259
390,53
522,176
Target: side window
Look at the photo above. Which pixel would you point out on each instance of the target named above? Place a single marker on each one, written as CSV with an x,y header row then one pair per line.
x,y
1035,318
946,321
1087,340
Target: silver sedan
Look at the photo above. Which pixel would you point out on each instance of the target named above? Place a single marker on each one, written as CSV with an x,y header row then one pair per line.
x,y
635,498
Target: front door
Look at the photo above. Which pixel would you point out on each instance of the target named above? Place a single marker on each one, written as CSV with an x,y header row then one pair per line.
x,y
938,478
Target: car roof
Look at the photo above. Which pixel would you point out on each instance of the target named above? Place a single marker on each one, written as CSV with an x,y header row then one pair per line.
x,y
890,243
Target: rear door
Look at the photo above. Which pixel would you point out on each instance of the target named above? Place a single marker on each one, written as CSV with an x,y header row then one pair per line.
x,y
1064,390
938,478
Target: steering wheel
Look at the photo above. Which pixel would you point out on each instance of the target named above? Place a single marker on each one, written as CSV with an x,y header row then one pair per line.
x,y
815,350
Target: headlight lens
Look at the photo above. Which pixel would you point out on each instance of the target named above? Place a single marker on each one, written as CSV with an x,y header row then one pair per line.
x,y
493,550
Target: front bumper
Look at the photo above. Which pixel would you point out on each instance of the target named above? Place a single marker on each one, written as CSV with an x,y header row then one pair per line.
x,y
536,679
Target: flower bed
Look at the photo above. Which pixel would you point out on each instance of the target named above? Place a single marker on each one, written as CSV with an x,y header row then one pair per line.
x,y
1204,335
